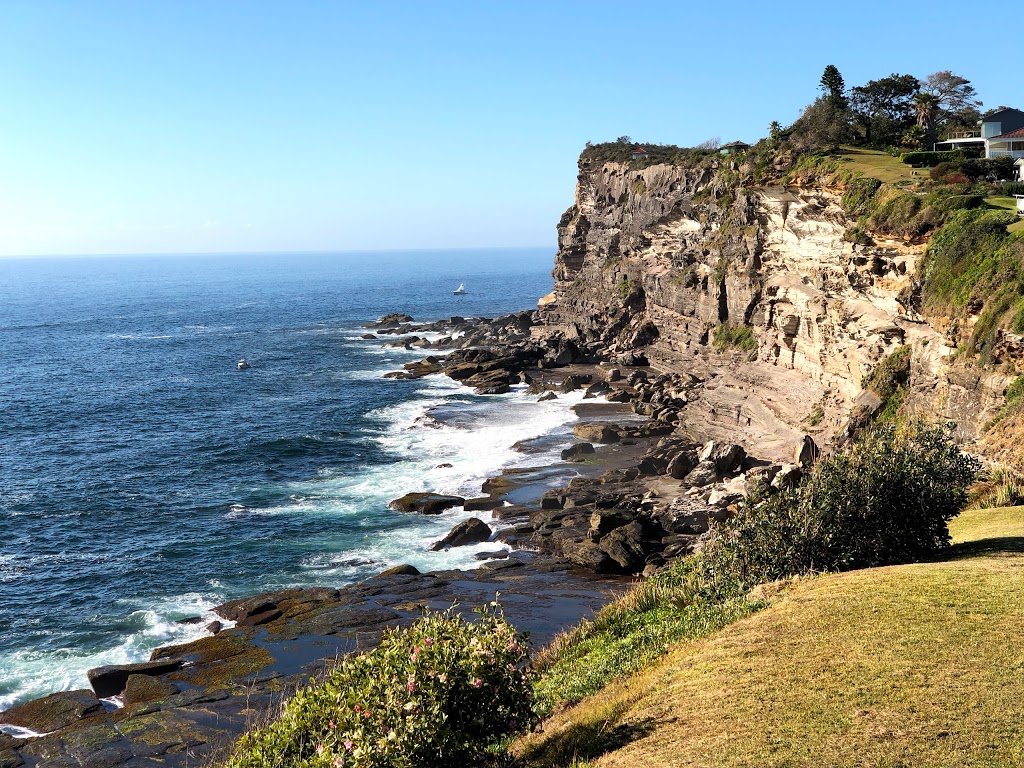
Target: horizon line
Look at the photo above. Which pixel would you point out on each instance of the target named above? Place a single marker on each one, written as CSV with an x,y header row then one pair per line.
x,y
325,251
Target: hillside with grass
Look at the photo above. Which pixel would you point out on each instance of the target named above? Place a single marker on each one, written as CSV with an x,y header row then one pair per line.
x,y
909,665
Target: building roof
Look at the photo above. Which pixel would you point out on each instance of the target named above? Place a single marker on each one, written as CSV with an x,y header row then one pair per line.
x,y
734,145
1018,134
639,149
998,115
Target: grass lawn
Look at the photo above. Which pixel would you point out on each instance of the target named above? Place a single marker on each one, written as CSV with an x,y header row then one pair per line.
x,y
1008,203
880,165
1018,227
917,665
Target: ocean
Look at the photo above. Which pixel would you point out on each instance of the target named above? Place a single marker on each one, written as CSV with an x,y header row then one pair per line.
x,y
144,479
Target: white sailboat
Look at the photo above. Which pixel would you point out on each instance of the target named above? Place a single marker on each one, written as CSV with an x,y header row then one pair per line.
x,y
460,290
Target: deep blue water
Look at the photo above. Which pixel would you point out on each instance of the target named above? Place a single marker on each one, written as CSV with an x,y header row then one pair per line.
x,y
144,479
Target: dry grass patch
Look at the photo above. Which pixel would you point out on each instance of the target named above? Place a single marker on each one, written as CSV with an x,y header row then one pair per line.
x,y
916,665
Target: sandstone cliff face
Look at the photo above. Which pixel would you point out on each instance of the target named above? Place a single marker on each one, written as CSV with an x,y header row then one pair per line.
x,y
655,259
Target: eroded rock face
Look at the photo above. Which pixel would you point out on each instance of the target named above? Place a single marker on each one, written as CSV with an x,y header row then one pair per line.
x,y
653,260
426,503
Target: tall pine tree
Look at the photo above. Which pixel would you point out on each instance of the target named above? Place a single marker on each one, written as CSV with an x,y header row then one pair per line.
x,y
833,86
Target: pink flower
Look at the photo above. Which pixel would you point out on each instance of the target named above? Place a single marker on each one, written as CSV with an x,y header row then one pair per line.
x,y
348,744
411,687
443,677
319,749
477,682
428,642
331,725
358,708
366,714
415,651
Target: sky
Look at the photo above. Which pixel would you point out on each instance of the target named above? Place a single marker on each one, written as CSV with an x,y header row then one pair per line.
x,y
181,126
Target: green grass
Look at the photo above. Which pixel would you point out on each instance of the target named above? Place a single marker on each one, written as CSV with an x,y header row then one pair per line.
x,y
1008,203
914,665
879,165
734,336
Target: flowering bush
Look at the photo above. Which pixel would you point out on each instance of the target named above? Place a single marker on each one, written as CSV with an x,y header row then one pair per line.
x,y
439,693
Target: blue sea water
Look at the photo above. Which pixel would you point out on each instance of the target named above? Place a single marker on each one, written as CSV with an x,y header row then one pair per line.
x,y
144,479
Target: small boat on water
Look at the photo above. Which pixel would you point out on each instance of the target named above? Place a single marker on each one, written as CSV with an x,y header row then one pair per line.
x,y
460,290
243,364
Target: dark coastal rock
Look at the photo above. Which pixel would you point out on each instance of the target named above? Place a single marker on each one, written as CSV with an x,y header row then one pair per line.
x,y
401,570
53,712
574,382
604,521
626,547
547,396
705,473
140,689
681,464
111,680
271,606
426,503
577,451
806,453
481,504
597,389
497,554
392,320
596,432
588,554
471,531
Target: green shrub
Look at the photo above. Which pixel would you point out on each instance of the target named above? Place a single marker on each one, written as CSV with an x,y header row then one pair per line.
x,y
1011,188
439,693
886,500
919,159
735,336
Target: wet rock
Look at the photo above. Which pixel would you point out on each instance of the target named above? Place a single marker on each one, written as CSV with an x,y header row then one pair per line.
x,y
481,504
53,712
574,382
509,512
596,432
214,627
392,320
144,688
705,473
497,554
110,680
426,503
471,531
577,452
597,389
547,396
401,570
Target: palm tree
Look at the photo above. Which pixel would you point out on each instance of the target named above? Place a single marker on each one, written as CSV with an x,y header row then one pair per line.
x,y
927,107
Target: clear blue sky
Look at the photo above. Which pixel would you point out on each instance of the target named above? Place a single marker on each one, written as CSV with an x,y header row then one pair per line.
x,y
195,126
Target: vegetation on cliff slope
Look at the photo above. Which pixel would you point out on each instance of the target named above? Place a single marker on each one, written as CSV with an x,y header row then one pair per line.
x,y
913,665
887,499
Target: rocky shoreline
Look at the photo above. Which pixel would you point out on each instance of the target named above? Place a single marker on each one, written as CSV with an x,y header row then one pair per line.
x,y
643,491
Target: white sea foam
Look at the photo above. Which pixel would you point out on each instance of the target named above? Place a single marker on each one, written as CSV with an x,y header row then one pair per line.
x,y
27,674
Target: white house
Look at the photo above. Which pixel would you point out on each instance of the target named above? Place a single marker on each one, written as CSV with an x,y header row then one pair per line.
x,y
999,133
1020,169
1020,205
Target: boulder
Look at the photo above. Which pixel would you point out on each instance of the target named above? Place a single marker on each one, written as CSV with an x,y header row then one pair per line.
x,y
604,521
111,680
705,473
596,432
787,477
481,504
426,503
471,531
680,465
625,546
588,554
53,712
401,570
806,453
547,396
577,452
574,382
597,389
392,320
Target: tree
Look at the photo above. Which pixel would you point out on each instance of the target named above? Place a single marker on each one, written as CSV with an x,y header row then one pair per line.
x,y
775,129
955,101
884,108
833,87
823,124
927,107
624,140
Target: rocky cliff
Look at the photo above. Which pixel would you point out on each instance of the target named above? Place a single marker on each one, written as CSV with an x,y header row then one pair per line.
x,y
755,292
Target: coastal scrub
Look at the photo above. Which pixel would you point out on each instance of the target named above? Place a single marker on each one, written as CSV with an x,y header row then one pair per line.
x,y
442,692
